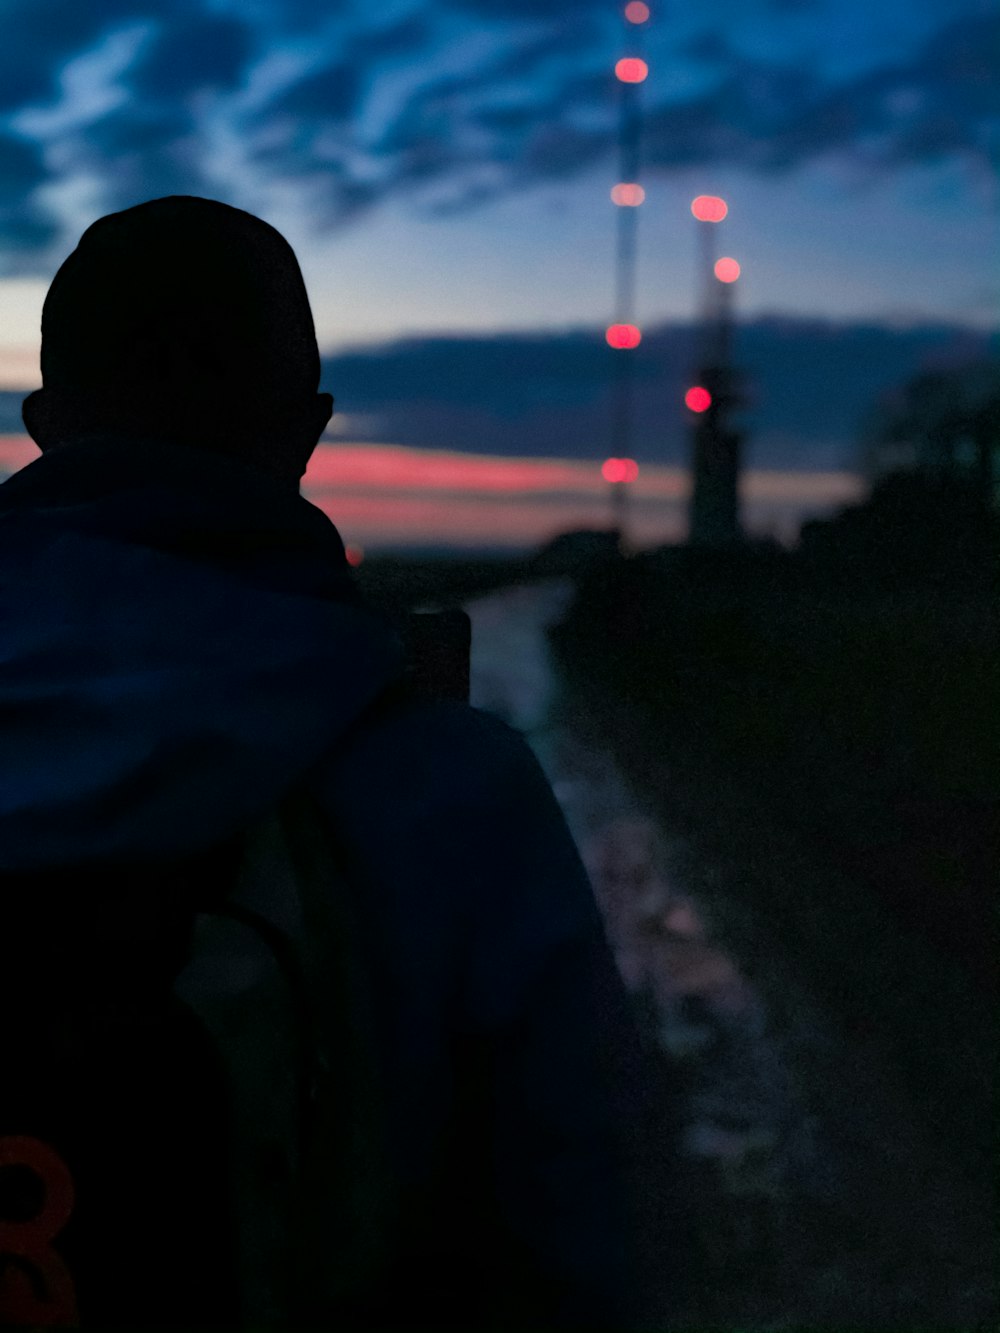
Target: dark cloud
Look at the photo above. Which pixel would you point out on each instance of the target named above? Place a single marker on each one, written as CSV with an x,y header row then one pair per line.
x,y
329,94
403,38
21,167
25,227
545,393
544,108
199,53
535,100
39,36
561,10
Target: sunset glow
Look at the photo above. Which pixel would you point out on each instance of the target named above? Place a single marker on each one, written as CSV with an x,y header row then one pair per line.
x,y
386,496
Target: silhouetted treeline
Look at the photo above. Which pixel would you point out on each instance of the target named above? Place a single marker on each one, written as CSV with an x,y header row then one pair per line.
x,y
852,685
841,700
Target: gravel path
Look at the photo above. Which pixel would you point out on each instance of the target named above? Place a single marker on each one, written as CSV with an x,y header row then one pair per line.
x,y
743,1132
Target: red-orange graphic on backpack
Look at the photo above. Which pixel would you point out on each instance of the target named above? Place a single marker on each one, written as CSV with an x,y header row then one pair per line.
x,y
36,1287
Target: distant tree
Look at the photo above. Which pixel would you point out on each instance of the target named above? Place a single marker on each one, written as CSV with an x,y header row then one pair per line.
x,y
930,452
943,423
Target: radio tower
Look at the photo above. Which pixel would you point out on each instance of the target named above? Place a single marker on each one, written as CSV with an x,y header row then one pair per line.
x,y
714,513
627,194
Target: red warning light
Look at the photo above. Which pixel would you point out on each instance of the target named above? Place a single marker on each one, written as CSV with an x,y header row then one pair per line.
x,y
623,335
355,555
698,399
631,69
727,270
619,469
709,208
627,195
636,11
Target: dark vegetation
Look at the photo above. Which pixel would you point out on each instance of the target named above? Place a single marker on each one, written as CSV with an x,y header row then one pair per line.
x,y
822,728
847,693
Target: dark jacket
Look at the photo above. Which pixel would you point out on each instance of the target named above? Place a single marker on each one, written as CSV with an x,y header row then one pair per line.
x,y
181,643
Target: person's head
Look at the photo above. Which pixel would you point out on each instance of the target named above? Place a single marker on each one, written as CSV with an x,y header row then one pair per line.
x,y
186,320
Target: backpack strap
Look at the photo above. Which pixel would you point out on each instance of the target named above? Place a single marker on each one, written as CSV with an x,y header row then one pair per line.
x,y
276,977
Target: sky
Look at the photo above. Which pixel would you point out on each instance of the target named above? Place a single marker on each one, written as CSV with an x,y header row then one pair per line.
x,y
443,167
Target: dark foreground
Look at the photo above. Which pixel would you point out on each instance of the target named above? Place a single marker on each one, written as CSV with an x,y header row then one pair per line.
x,y
821,771
825,763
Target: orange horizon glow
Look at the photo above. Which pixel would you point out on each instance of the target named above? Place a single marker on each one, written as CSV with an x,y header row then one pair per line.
x,y
387,496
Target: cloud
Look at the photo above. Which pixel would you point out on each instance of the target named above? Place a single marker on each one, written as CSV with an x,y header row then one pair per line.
x,y
447,105
24,226
545,393
196,54
543,106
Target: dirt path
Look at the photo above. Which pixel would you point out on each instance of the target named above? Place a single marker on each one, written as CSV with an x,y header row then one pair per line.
x,y
741,1125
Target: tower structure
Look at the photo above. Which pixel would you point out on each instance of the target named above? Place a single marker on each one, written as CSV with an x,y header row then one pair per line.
x,y
627,194
716,442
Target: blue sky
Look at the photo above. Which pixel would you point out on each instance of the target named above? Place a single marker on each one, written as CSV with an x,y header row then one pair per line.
x,y
445,164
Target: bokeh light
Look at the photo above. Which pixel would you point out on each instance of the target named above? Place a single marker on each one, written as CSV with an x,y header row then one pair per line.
x,y
623,335
620,469
355,555
628,195
709,208
636,11
630,69
727,270
698,399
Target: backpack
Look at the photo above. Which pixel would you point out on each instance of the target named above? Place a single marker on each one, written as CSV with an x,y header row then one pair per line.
x,y
190,1121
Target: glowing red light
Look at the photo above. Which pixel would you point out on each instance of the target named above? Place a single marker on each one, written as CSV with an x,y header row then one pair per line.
x,y
623,335
727,270
627,195
698,399
709,208
636,11
631,69
355,555
619,469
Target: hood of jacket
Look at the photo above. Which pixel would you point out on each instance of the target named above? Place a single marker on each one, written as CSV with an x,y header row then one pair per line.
x,y
180,641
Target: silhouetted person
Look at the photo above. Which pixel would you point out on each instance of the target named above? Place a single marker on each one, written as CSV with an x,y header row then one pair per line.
x,y
184,645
